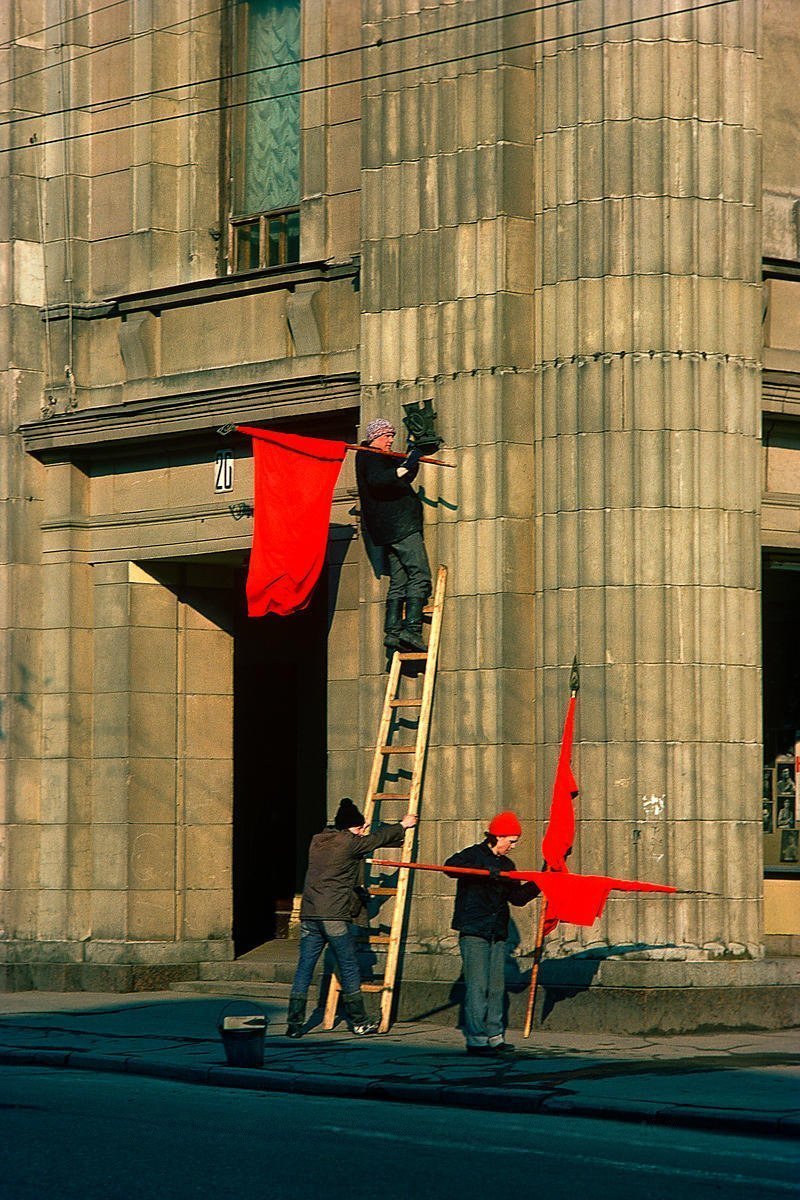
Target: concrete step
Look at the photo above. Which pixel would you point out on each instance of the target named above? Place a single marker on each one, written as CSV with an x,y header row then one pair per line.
x,y
227,987
624,995
280,968
627,1010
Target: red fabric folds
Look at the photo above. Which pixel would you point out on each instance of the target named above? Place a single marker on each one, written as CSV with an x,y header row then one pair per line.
x,y
580,899
560,832
294,478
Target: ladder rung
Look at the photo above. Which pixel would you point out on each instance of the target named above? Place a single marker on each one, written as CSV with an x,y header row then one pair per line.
x,y
372,987
398,749
391,796
382,891
405,704
379,939
412,655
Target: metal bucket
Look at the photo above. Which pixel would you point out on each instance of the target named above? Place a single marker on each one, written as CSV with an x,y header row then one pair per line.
x,y
243,1039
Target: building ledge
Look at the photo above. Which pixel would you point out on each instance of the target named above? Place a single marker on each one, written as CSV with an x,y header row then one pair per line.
x,y
202,411
202,291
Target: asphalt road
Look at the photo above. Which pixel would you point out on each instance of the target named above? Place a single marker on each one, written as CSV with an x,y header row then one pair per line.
x,y
88,1136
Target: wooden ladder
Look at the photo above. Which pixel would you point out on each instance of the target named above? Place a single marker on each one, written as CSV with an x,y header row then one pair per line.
x,y
394,706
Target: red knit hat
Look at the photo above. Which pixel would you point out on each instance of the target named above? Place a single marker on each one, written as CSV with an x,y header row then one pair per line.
x,y
505,824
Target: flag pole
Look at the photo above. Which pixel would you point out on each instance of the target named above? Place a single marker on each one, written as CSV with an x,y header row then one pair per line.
x,y
537,956
224,430
437,462
574,684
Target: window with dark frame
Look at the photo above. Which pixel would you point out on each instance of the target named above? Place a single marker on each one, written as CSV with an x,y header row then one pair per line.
x,y
264,135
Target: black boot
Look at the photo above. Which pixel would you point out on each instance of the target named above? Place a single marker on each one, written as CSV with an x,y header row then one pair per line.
x,y
360,1023
393,625
296,1016
411,637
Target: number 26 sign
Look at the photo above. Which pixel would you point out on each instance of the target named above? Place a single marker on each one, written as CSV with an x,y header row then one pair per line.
x,y
223,471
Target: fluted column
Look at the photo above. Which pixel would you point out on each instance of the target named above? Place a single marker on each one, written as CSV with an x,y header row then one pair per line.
x,y
447,310
647,441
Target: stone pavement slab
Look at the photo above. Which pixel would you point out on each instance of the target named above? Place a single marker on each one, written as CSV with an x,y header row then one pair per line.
x,y
747,1081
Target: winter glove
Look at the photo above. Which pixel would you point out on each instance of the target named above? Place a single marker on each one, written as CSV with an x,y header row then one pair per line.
x,y
412,458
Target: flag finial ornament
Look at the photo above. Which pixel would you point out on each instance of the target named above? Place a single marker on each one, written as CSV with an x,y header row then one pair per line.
x,y
574,677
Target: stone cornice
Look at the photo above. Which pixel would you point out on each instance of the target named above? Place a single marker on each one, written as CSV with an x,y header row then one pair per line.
x,y
185,414
203,291
781,268
241,510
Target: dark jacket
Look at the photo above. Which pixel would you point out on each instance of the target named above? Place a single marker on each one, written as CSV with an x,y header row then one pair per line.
x,y
334,863
481,908
390,508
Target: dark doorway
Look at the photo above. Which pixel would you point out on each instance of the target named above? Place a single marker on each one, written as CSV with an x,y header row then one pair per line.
x,y
781,604
279,771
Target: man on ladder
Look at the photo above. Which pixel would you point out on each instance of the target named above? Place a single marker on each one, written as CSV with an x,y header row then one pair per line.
x,y
392,514
330,903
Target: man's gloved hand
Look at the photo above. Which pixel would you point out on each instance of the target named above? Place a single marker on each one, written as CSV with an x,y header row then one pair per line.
x,y
412,458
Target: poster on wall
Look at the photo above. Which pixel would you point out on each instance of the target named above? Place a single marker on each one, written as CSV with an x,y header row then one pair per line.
x,y
779,812
767,792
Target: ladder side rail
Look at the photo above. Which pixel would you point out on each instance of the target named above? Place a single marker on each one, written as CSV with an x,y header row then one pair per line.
x,y
378,759
378,766
421,748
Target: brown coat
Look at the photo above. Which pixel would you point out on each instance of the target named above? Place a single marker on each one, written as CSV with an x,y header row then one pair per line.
x,y
334,864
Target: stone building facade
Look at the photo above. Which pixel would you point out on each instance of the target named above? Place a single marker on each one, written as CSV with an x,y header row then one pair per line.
x,y
554,221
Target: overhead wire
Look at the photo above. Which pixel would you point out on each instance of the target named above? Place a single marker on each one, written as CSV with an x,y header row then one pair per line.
x,y
302,61
99,106
120,41
329,86
32,33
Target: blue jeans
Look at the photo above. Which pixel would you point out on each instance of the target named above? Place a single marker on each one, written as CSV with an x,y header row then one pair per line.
x,y
484,976
409,569
314,936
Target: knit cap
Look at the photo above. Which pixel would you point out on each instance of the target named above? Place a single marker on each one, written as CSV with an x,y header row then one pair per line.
x,y
505,824
348,816
377,427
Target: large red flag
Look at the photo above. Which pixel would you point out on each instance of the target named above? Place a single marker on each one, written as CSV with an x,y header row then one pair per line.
x,y
560,832
294,478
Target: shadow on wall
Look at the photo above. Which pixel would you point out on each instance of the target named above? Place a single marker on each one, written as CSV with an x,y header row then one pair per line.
x,y
339,539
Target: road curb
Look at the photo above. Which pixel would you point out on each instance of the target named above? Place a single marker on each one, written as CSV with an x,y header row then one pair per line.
x,y
499,1099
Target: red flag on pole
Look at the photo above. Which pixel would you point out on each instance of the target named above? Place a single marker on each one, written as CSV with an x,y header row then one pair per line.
x,y
294,478
560,833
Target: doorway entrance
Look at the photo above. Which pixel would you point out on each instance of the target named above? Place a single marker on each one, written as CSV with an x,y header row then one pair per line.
x,y
279,761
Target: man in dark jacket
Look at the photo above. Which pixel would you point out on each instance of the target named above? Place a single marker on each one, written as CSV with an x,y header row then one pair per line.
x,y
481,917
330,903
392,514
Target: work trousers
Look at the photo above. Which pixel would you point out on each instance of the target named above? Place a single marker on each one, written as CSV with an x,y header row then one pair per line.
x,y
484,976
409,569
314,936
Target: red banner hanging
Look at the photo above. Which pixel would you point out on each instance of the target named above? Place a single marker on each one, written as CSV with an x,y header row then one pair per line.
x,y
294,478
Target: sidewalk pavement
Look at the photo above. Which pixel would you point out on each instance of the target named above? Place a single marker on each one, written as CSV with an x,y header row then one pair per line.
x,y
743,1082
